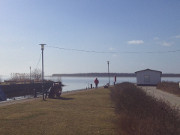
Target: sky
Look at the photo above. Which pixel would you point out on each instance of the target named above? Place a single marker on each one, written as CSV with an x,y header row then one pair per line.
x,y
82,35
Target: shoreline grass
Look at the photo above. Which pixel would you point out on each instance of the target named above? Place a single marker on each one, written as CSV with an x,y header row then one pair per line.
x,y
171,87
82,113
141,114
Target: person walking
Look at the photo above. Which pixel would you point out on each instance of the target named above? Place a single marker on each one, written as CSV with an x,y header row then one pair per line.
x,y
96,81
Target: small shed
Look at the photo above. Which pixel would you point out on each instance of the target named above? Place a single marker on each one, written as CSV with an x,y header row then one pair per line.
x,y
148,77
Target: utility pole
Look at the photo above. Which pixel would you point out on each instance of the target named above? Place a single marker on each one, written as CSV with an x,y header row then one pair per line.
x,y
42,49
108,72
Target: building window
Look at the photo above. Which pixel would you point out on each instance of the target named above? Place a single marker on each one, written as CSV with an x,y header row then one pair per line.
x,y
147,79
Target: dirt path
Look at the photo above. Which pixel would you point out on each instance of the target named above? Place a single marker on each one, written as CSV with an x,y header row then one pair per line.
x,y
168,97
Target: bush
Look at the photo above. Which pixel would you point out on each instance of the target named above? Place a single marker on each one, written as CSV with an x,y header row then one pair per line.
x,y
141,114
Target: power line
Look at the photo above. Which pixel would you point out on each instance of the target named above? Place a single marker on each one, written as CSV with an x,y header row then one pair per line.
x,y
112,52
38,61
78,50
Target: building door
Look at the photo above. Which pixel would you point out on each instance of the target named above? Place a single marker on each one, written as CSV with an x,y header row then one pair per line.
x,y
147,79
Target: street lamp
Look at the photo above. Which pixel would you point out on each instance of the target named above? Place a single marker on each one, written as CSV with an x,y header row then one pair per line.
x,y
42,49
108,72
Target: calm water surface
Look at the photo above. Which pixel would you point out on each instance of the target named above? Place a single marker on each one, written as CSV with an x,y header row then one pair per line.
x,y
74,83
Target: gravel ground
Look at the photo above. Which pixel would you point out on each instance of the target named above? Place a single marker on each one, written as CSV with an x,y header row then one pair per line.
x,y
167,97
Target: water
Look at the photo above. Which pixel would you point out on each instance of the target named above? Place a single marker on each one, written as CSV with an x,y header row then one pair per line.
x,y
171,79
74,83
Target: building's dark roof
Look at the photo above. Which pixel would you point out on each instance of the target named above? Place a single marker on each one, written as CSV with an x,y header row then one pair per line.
x,y
148,70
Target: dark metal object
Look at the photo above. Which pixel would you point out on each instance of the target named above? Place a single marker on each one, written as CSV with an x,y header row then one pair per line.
x,y
56,90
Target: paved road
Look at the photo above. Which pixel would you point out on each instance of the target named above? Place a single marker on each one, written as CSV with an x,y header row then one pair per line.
x,y
171,98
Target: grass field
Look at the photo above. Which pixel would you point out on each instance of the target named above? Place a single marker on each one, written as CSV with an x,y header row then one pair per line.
x,y
82,113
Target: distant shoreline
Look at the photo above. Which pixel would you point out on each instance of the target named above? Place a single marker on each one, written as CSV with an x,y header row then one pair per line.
x,y
107,75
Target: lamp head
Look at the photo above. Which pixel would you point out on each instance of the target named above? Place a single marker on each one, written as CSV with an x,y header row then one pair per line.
x,y
42,46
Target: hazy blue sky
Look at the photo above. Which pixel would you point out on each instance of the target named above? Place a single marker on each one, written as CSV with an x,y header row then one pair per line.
x,y
139,34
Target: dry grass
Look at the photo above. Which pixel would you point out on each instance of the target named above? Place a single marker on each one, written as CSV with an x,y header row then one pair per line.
x,y
171,87
83,113
140,114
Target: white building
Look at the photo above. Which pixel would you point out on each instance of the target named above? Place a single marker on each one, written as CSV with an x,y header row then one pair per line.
x,y
148,77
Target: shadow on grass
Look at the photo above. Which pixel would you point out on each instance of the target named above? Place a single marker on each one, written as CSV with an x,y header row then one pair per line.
x,y
63,98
